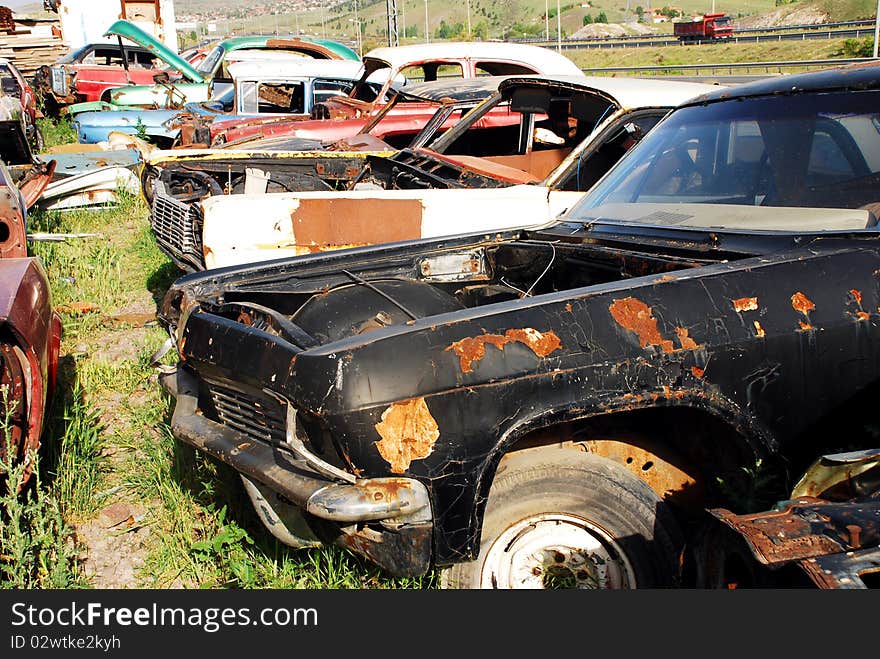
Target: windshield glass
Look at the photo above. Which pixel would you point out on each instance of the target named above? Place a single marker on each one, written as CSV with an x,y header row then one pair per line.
x,y
207,65
818,150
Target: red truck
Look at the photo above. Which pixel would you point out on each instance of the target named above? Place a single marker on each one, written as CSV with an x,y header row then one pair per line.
x,y
709,27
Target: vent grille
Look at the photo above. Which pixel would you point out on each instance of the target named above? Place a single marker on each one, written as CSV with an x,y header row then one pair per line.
x,y
177,227
261,418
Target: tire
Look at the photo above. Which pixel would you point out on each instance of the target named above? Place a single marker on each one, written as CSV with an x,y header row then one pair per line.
x,y
559,518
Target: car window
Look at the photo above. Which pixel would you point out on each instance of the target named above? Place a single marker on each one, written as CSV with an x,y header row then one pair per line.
x,y
324,89
431,71
272,97
802,150
502,69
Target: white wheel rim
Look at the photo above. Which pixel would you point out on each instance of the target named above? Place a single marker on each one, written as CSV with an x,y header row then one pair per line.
x,y
556,551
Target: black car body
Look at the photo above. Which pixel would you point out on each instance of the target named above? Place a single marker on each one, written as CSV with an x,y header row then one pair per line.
x,y
536,407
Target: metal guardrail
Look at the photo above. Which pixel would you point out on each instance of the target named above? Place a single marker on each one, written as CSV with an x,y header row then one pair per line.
x,y
745,35
738,67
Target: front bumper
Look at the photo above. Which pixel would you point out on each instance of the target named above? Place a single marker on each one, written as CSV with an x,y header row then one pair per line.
x,y
386,520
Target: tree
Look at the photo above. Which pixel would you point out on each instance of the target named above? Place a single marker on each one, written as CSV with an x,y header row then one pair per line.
x,y
588,19
601,18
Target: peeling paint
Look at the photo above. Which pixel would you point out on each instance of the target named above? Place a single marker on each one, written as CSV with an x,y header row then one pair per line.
x,y
697,371
472,350
635,316
408,433
745,304
759,331
687,343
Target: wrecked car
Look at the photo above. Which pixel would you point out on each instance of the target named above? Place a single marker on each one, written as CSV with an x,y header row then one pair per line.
x,y
554,407
288,88
15,85
397,67
88,73
166,93
31,332
174,181
523,156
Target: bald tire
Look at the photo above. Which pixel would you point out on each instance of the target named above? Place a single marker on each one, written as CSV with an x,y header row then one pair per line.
x,y
586,487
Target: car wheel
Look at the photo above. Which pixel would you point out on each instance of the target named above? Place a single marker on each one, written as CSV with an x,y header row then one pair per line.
x,y
558,519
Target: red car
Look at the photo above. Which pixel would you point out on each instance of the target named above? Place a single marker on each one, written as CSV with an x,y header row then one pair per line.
x,y
15,85
30,333
85,74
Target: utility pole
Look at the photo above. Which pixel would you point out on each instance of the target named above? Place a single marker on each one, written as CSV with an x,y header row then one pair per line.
x,y
558,28
469,17
427,33
876,29
357,22
391,10
547,20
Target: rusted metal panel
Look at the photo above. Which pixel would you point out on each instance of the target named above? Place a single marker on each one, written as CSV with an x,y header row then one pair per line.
x,y
408,433
356,221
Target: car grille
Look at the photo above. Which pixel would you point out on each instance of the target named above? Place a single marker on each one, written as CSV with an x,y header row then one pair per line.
x,y
261,418
177,227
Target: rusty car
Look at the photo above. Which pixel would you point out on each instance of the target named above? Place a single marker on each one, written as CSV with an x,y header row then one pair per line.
x,y
558,406
30,330
524,155
343,116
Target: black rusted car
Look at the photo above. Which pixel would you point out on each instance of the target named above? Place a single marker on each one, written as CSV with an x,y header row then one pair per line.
x,y
560,407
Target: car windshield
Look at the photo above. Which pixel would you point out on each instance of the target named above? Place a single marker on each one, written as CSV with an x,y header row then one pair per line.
x,y
803,150
206,66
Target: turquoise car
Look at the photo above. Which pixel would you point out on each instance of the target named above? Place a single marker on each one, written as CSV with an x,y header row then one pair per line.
x,y
174,94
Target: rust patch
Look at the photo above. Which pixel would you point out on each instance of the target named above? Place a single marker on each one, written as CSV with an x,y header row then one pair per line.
x,y
568,307
745,304
759,331
697,371
472,350
802,303
862,315
857,296
687,343
805,326
408,433
356,221
635,316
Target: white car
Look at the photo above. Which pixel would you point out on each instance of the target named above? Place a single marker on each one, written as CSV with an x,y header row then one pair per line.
x,y
567,133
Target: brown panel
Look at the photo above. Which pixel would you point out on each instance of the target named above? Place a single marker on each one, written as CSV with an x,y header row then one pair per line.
x,y
356,221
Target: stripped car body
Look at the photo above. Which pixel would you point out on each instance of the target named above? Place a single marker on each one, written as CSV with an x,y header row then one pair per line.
x,y
286,88
213,68
30,334
397,67
711,301
481,175
175,181
15,85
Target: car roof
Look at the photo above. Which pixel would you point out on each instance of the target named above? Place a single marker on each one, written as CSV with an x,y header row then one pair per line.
x,y
548,61
853,77
625,91
301,67
304,44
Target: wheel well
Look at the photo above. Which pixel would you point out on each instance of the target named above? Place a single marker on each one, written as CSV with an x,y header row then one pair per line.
x,y
690,458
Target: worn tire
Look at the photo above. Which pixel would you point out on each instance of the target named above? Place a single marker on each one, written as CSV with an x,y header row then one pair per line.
x,y
559,518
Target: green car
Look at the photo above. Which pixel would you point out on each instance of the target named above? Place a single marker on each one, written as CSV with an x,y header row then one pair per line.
x,y
196,82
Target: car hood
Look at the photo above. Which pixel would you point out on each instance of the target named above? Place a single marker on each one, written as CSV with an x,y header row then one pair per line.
x,y
133,33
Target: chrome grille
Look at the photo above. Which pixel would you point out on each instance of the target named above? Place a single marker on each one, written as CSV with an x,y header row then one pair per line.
x,y
261,418
177,228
